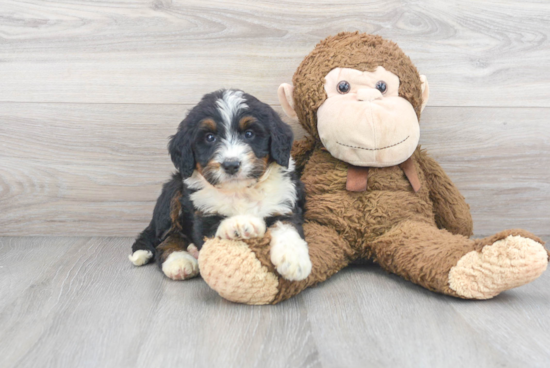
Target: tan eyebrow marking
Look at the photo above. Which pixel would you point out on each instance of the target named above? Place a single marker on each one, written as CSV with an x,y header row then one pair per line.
x,y
246,121
210,124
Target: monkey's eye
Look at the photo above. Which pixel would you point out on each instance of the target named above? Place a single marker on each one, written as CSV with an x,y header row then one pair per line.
x,y
210,138
343,87
381,86
249,134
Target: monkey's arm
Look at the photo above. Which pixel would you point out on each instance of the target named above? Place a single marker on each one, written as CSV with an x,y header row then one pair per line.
x,y
450,208
301,150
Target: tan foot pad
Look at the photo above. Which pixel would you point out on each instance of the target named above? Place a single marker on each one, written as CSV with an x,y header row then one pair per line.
x,y
232,269
503,265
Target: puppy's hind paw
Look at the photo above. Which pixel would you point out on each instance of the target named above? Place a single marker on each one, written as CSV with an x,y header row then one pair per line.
x,y
180,266
140,257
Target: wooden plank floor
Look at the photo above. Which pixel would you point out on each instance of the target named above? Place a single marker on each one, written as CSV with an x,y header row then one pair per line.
x,y
78,302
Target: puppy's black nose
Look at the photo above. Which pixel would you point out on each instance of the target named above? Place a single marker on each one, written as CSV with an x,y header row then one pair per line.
x,y
231,167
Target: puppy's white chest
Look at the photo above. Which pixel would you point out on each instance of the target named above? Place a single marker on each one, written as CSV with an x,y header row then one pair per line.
x,y
237,203
274,196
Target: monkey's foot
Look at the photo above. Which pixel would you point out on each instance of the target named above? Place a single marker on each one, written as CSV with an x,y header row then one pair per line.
x,y
502,265
232,269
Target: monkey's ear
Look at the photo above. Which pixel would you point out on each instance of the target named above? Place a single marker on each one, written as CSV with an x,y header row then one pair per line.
x,y
281,140
425,91
181,152
286,99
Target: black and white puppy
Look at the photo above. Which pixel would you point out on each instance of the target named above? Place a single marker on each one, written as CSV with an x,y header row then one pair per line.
x,y
235,179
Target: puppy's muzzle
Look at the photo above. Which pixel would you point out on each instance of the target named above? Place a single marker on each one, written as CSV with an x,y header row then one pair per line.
x,y
231,166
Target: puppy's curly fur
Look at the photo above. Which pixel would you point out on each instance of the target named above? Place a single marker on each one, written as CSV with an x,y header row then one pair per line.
x,y
235,179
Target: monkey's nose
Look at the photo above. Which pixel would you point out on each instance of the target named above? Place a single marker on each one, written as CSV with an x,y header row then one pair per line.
x,y
231,166
368,94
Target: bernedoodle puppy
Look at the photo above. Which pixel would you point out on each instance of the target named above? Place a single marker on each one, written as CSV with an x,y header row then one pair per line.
x,y
235,178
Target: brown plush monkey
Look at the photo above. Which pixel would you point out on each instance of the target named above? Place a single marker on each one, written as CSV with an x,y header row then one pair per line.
x,y
372,193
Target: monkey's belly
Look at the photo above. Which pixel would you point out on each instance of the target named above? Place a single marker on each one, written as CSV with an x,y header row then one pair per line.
x,y
362,216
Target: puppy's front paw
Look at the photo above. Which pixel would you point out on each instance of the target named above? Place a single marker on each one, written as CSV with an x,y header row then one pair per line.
x,y
241,227
180,266
289,253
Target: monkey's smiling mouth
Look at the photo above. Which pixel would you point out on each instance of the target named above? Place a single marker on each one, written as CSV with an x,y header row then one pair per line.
x,y
374,149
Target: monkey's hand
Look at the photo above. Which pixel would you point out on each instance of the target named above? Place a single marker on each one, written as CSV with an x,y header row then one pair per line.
x,y
451,210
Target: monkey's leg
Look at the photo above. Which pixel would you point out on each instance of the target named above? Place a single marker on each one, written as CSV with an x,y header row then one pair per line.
x,y
458,266
174,259
242,271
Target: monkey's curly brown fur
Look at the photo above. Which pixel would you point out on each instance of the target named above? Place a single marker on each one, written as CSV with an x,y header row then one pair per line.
x,y
421,236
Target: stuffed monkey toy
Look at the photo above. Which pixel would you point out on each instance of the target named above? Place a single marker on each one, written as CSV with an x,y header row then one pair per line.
x,y
371,192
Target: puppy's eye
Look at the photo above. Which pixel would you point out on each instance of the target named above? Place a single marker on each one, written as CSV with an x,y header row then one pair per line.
x,y
210,138
381,86
249,134
343,87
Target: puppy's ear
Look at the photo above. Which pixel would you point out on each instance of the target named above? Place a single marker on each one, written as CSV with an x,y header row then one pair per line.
x,y
281,140
181,151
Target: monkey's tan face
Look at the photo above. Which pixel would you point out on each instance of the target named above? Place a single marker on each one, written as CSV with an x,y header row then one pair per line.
x,y
364,121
